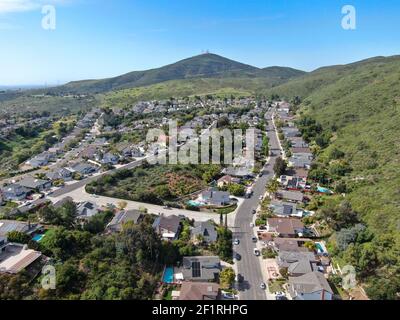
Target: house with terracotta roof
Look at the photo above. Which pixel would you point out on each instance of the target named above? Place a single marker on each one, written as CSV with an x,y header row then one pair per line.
x,y
285,227
199,291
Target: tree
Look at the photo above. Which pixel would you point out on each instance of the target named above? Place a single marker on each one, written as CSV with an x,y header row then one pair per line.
x,y
227,278
280,167
121,205
237,190
18,237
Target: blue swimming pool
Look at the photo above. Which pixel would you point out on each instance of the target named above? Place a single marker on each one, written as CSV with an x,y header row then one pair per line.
x,y
324,190
194,203
168,276
319,247
38,237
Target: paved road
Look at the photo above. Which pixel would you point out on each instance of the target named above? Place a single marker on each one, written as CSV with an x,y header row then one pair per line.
x,y
80,195
249,266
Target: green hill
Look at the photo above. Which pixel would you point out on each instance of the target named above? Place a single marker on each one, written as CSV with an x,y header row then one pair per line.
x,y
223,87
201,66
359,105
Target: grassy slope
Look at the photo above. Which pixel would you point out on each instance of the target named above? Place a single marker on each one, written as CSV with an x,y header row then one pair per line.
x,y
24,103
189,87
363,101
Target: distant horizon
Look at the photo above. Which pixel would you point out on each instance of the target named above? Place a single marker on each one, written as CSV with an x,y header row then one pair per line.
x,y
14,87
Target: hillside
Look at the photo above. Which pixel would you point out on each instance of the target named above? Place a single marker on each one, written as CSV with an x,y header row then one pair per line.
x,y
201,66
359,104
224,87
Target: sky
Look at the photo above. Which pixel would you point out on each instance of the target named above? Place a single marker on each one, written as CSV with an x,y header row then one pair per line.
x,y
100,38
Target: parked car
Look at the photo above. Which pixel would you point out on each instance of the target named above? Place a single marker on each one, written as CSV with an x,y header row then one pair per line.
x,y
254,211
261,198
238,257
262,227
236,242
228,295
239,278
256,252
263,286
251,225
254,239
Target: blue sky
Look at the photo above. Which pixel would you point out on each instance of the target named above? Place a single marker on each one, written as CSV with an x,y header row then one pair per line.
x,y
101,38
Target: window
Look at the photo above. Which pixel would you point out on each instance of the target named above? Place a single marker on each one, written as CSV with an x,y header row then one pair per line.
x,y
196,269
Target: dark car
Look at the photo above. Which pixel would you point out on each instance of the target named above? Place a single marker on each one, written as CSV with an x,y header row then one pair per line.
x,y
262,227
254,239
254,211
238,257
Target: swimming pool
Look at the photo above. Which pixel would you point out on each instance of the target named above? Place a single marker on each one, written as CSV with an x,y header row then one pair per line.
x,y
194,203
320,248
323,190
168,276
38,237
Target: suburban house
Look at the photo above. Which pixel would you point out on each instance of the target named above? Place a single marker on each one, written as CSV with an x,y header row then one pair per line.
x,y
63,201
83,168
290,244
86,209
310,286
123,217
206,230
298,142
201,268
59,174
14,192
109,158
199,291
292,196
297,263
304,150
285,227
16,257
291,132
283,209
40,160
300,160
133,152
35,184
238,172
215,198
168,227
28,228
292,182
227,180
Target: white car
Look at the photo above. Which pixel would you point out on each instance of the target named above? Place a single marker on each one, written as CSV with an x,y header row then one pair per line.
x,y
261,197
251,225
228,295
236,242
